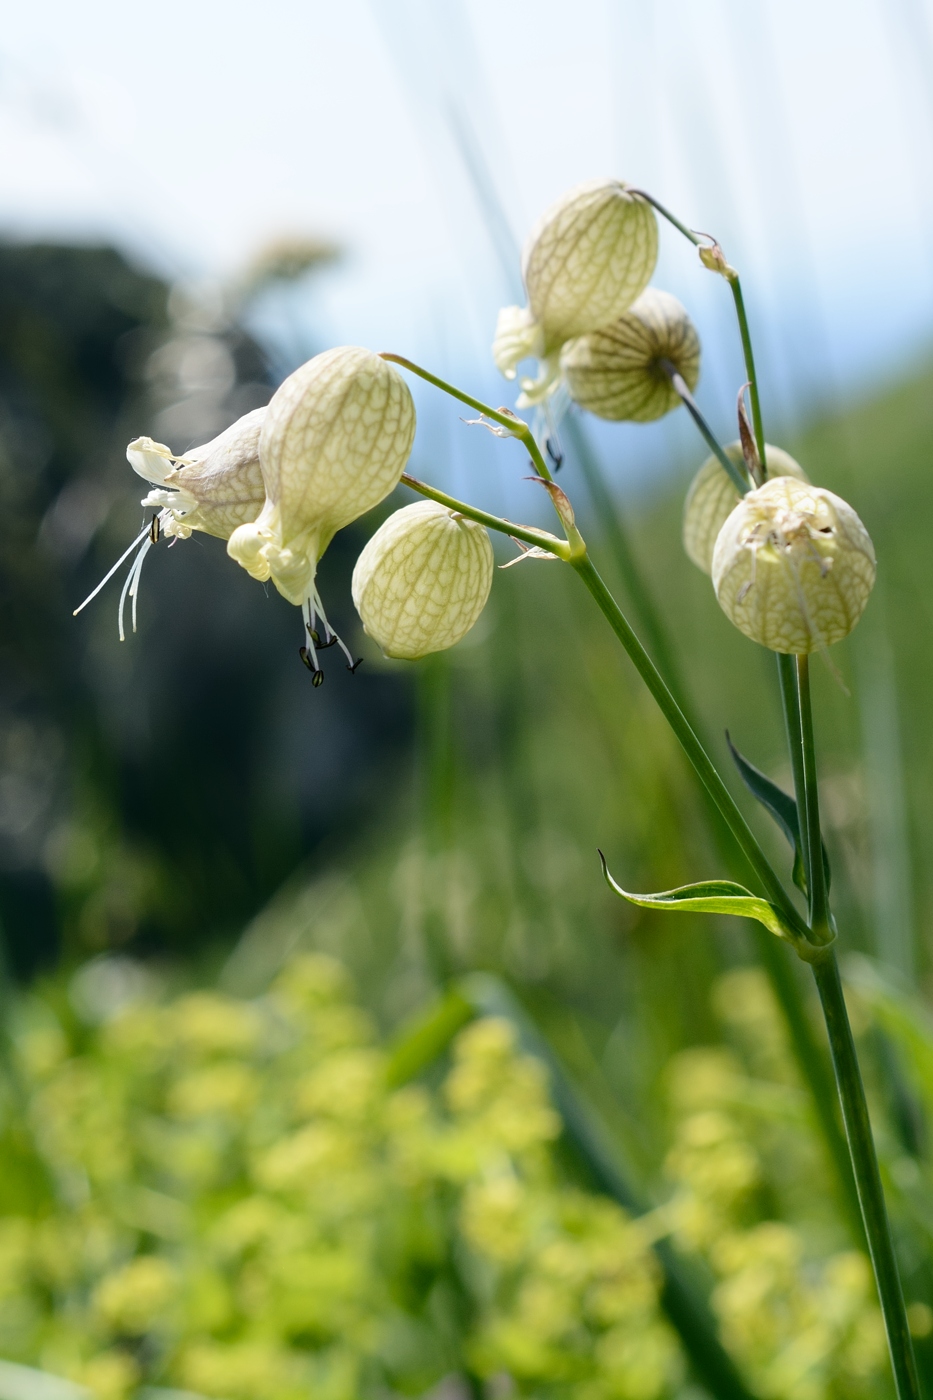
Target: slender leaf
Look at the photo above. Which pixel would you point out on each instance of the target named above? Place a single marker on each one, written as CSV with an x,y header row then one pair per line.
x,y
711,897
783,809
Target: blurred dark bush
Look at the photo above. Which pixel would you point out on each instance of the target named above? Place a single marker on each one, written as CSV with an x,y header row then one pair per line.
x,y
152,794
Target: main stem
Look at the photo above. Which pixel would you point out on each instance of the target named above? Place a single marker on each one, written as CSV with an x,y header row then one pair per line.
x,y
845,1060
790,698
867,1177
735,286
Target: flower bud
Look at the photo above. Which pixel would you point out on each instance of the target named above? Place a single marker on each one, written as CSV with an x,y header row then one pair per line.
x,y
213,488
712,498
618,372
334,443
584,263
423,580
793,566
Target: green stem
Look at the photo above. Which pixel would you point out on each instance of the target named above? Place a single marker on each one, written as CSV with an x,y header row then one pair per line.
x,y
725,461
735,287
517,427
867,1177
842,1046
810,833
528,535
671,218
790,703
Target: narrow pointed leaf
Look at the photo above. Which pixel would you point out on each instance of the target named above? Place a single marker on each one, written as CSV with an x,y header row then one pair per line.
x,y
783,809
710,897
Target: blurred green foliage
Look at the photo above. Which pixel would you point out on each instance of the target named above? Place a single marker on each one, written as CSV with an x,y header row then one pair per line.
x,y
225,1195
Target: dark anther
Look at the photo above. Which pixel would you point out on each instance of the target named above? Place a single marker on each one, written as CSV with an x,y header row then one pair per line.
x,y
313,635
357,662
331,641
555,454
154,530
317,675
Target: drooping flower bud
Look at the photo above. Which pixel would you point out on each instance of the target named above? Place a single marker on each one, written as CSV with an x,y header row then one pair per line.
x,y
334,443
793,566
213,488
619,372
712,498
423,580
585,262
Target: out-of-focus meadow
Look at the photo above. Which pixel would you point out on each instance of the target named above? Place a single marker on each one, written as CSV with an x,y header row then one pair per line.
x,y
329,1066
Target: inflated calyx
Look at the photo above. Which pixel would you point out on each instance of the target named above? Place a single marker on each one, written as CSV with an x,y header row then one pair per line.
x,y
622,371
793,566
423,580
712,498
335,440
585,262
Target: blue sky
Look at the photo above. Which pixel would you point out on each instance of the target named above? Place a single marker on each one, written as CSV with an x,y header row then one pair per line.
x,y
799,131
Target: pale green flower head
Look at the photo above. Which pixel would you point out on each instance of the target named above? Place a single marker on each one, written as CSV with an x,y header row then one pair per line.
x,y
712,498
617,372
585,262
793,566
334,443
213,488
423,580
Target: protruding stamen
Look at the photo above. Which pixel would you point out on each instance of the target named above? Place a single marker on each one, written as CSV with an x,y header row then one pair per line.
x,y
131,587
110,573
317,605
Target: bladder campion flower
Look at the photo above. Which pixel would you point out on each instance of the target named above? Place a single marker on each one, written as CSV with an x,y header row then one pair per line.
x,y
213,488
588,258
623,371
793,566
423,580
712,498
334,443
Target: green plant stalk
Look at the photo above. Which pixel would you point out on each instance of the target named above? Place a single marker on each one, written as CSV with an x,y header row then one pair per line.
x,y
867,1176
790,704
811,1059
794,680
735,286
678,384
845,1059
516,427
810,828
